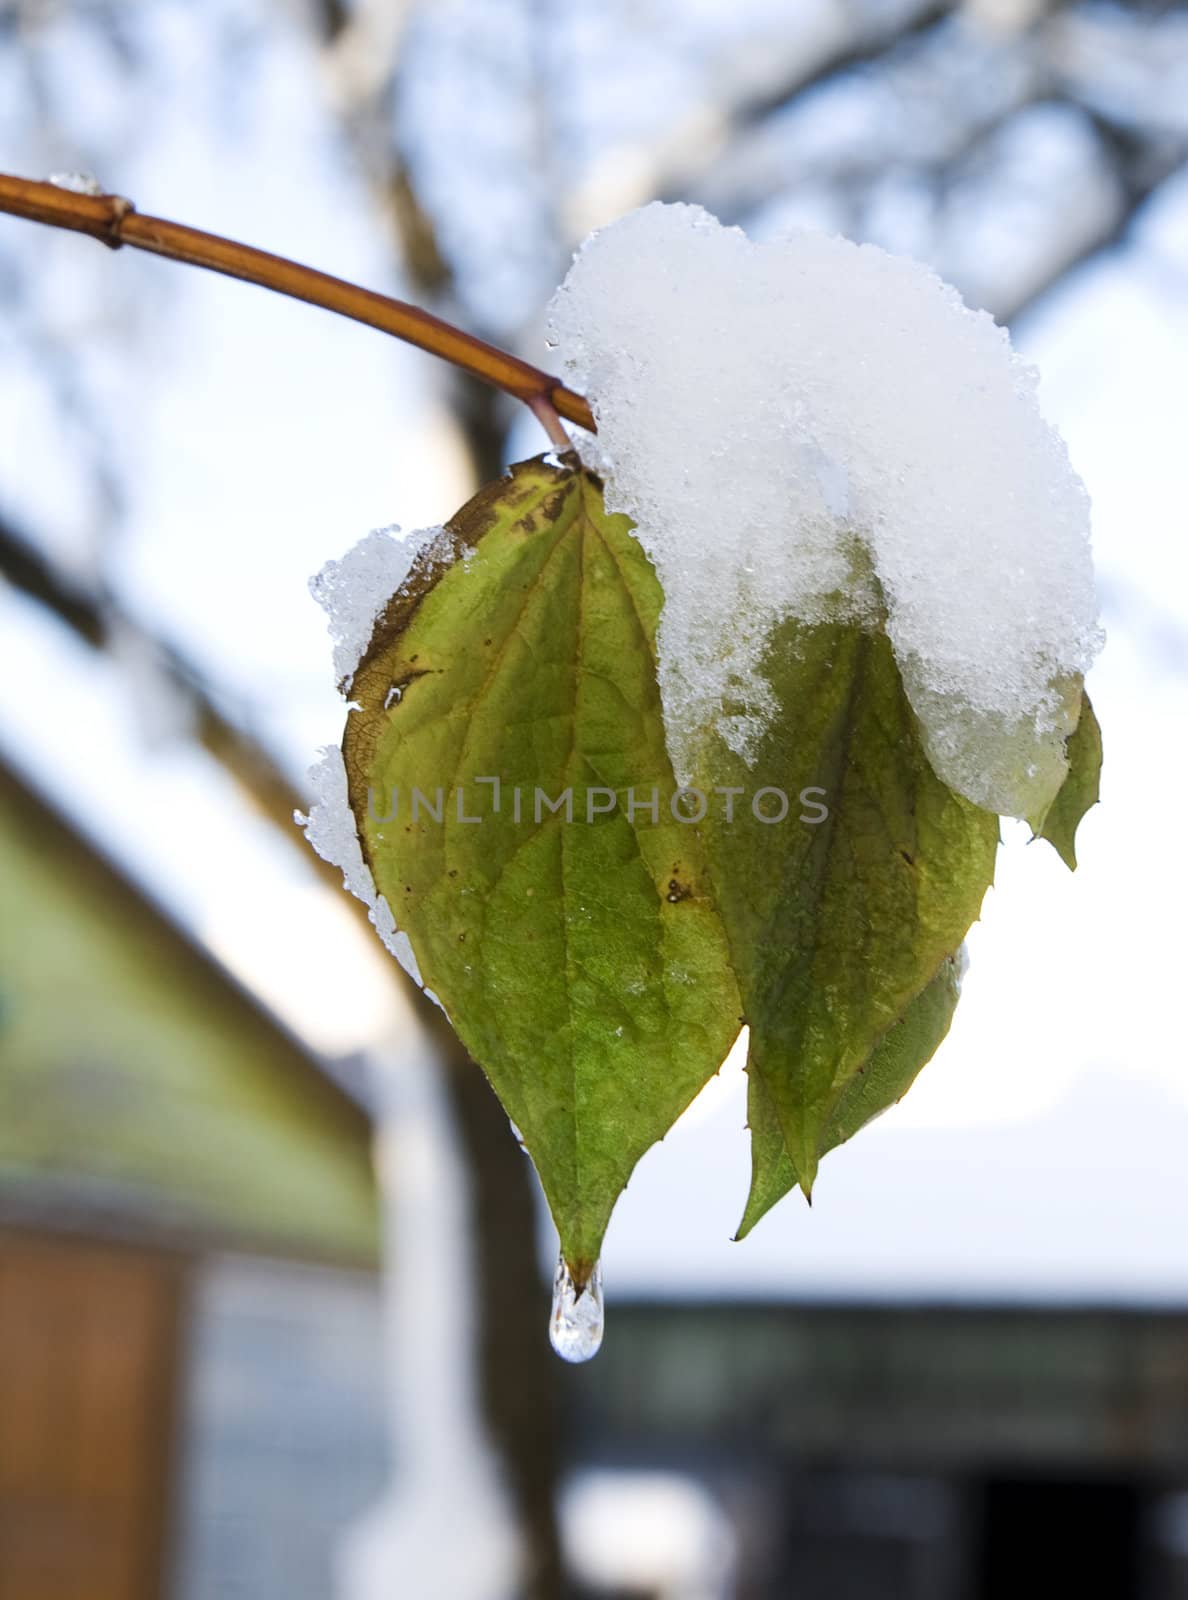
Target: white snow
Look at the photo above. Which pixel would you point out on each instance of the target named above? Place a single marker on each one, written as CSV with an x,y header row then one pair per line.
x,y
77,182
330,828
354,591
766,411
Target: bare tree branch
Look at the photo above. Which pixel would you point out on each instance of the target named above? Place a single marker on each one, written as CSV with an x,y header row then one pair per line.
x,y
1140,183
113,220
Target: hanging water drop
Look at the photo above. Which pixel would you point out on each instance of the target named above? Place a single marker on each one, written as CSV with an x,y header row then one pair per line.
x,y
575,1326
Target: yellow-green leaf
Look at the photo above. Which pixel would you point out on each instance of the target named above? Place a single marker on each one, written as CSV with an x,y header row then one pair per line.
x,y
579,956
841,915
882,1080
1059,822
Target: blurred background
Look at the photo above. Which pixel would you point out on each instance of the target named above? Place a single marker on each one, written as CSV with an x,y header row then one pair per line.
x,y
273,1269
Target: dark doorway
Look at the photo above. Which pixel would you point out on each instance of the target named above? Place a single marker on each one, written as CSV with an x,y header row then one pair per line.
x,y
1045,1536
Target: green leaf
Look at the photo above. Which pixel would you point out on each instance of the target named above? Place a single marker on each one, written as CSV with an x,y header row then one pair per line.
x,y
596,951
1059,822
582,962
885,1078
842,914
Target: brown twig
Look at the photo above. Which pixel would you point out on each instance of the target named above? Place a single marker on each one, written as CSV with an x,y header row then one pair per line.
x,y
115,222
545,412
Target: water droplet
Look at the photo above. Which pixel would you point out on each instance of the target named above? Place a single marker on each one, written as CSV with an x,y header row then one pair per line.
x,y
575,1326
77,182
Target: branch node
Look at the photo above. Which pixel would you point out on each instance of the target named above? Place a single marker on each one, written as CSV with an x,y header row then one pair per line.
x,y
118,208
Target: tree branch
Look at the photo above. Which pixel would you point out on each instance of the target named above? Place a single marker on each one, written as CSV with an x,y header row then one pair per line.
x,y
115,222
97,618
1139,184
872,45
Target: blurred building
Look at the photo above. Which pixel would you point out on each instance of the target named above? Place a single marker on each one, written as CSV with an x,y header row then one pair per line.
x,y
189,1316
903,1452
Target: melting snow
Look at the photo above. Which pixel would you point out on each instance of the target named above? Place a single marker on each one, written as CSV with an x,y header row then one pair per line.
x,y
767,412
330,828
354,591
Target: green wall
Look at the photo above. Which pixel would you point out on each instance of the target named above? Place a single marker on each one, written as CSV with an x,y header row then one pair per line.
x,y
139,1085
